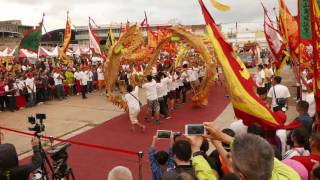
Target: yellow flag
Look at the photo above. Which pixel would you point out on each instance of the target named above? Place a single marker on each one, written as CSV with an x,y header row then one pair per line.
x,y
219,6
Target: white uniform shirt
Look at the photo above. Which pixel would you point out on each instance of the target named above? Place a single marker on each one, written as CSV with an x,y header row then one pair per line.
x,y
281,92
191,75
171,84
178,80
154,71
298,151
31,84
309,97
259,76
57,79
150,90
160,90
20,85
90,75
84,78
77,75
202,71
184,76
164,83
6,88
271,71
100,74
133,103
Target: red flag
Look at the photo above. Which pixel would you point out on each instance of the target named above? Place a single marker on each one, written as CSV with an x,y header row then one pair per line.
x,y
273,37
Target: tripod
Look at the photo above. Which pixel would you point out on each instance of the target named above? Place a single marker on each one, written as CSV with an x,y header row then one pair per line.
x,y
62,170
45,161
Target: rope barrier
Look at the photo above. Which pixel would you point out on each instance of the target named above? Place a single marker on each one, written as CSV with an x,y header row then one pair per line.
x,y
76,143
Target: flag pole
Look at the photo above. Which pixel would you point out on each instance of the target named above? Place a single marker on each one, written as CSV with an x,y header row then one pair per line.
x,y
316,59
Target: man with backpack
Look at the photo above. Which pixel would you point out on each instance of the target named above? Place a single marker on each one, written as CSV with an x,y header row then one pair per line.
x,y
278,95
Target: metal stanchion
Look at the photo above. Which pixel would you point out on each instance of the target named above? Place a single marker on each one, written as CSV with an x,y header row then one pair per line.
x,y
140,156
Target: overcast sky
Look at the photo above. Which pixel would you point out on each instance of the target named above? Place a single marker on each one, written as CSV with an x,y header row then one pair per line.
x,y
106,11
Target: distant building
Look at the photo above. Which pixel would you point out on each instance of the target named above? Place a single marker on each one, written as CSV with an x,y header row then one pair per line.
x,y
82,36
11,33
241,33
55,38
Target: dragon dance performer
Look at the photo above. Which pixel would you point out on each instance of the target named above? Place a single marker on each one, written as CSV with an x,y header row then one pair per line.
x,y
134,105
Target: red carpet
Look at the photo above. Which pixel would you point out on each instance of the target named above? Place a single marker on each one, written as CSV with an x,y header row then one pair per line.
x,y
92,164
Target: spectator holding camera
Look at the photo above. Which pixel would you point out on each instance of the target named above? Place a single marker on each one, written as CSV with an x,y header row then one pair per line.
x,y
9,164
182,154
160,161
247,151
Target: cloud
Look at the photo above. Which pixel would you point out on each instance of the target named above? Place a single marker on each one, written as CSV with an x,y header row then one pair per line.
x,y
106,11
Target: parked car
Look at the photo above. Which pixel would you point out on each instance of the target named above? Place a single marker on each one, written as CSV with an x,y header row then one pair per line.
x,y
248,60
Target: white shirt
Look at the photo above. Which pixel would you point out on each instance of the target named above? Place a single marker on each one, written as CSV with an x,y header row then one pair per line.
x,y
309,97
184,76
191,76
90,75
77,75
151,90
6,88
160,90
84,78
196,71
164,83
298,151
20,85
281,92
282,134
57,79
154,71
238,127
100,74
271,72
133,103
202,71
259,76
171,84
178,81
24,68
31,86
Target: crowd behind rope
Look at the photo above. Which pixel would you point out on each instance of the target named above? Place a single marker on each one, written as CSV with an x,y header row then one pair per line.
x,y
23,84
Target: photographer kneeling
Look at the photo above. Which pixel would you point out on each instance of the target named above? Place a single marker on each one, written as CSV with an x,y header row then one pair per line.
x,y
9,163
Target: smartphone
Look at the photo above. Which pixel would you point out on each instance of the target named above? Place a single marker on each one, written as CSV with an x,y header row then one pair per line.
x,y
164,134
194,129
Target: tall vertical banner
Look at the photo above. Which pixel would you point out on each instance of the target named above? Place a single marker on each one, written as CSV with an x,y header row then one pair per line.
x,y
289,28
315,17
67,36
274,39
94,41
66,41
305,32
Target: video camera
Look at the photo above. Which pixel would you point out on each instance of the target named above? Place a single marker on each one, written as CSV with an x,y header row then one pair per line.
x,y
59,152
60,156
37,122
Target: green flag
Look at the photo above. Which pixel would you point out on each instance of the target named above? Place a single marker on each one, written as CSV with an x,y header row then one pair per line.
x,y
31,39
110,39
305,19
